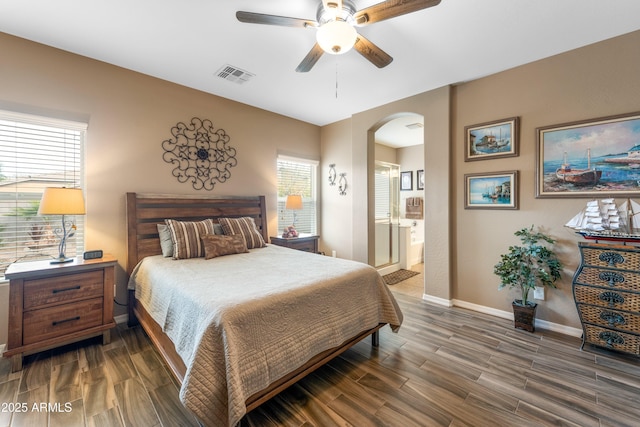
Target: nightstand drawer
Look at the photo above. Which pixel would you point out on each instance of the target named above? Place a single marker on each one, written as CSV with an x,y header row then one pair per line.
x,y
613,340
302,245
52,322
610,318
614,257
607,298
609,278
62,289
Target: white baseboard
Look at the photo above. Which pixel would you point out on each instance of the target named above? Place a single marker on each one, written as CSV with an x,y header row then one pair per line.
x,y
483,309
436,300
542,324
389,269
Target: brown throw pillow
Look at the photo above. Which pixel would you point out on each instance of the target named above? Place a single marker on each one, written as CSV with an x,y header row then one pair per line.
x,y
216,245
185,236
246,227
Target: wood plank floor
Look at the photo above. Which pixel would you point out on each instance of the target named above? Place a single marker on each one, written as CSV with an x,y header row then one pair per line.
x,y
446,367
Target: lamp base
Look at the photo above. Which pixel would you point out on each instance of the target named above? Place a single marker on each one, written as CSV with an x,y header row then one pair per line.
x,y
60,260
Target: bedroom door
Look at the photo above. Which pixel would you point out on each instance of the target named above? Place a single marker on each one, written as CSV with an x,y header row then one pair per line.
x,y
387,214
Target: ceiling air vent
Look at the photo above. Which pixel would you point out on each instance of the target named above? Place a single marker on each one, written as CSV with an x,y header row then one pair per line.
x,y
234,74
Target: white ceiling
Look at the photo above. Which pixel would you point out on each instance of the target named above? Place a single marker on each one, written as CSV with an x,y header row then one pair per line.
x,y
403,131
187,41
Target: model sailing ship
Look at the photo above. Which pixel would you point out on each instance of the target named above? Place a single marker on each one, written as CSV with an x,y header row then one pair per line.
x,y
604,220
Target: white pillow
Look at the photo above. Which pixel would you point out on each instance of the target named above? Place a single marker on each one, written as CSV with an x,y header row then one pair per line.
x,y
165,240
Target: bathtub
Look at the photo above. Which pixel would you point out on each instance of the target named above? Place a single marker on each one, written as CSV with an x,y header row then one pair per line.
x,y
412,242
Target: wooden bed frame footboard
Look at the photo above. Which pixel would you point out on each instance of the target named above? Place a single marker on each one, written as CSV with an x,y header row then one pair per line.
x,y
178,369
144,212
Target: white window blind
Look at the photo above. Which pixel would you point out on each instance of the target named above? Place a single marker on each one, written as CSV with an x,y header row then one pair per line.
x,y
297,176
35,153
382,191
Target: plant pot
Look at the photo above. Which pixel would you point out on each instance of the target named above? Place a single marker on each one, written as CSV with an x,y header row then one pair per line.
x,y
524,316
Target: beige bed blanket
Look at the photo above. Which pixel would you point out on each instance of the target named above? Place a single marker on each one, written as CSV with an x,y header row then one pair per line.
x,y
241,322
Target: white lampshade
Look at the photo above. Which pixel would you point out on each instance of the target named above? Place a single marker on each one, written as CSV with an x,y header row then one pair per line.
x,y
294,202
62,201
336,37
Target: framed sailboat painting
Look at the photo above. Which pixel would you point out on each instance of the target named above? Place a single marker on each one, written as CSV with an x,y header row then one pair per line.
x,y
590,158
495,190
491,140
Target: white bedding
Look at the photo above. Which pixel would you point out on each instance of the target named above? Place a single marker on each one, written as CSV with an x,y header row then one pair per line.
x,y
240,322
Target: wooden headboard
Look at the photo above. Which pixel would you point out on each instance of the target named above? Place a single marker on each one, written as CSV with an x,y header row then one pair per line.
x,y
145,211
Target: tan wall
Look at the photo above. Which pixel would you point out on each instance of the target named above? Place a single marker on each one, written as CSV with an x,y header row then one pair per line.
x,y
335,212
410,159
461,245
591,82
129,116
387,154
434,106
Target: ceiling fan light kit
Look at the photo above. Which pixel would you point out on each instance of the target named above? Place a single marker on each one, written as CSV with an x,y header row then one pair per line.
x,y
336,27
336,37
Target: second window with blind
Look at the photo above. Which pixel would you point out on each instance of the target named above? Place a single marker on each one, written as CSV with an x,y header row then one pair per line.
x,y
297,184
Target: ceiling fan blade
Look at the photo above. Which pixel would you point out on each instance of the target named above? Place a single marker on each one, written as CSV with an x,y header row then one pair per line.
x,y
373,53
283,21
310,60
391,9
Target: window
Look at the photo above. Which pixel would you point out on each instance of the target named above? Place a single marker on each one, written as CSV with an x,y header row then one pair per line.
x,y
298,177
35,153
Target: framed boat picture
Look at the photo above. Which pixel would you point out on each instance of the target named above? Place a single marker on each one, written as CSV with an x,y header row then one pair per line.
x,y
590,158
496,190
491,140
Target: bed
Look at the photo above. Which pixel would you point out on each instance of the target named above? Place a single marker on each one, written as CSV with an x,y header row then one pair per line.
x,y
271,315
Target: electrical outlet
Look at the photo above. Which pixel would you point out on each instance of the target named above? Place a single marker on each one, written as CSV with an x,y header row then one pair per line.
x,y
538,293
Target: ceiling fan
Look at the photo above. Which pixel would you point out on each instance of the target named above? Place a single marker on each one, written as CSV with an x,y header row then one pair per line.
x,y
336,22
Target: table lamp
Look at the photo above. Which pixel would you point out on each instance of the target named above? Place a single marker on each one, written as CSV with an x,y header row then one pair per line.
x,y
294,202
62,201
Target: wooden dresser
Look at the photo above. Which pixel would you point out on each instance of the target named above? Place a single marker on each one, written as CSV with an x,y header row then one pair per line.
x,y
606,289
56,304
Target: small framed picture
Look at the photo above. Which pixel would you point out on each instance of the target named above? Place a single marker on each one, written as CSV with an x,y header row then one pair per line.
x,y
420,179
496,190
491,140
406,181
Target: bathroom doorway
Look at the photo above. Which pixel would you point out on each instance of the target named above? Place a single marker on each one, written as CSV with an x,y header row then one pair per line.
x,y
398,153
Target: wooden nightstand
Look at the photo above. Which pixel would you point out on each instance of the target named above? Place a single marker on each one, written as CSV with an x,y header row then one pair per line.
x,y
56,304
305,242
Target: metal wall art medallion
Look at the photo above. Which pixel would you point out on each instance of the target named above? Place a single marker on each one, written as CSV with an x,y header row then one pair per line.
x,y
199,153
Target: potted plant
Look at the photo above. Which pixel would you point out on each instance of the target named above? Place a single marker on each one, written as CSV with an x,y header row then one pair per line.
x,y
532,264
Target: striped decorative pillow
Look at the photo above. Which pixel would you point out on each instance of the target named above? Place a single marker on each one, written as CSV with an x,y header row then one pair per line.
x,y
185,236
245,226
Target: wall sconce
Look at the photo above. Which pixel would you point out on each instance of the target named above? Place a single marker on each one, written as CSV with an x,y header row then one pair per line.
x,y
343,184
332,174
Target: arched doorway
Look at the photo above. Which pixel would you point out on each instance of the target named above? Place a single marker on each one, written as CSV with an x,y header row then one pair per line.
x,y
398,147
